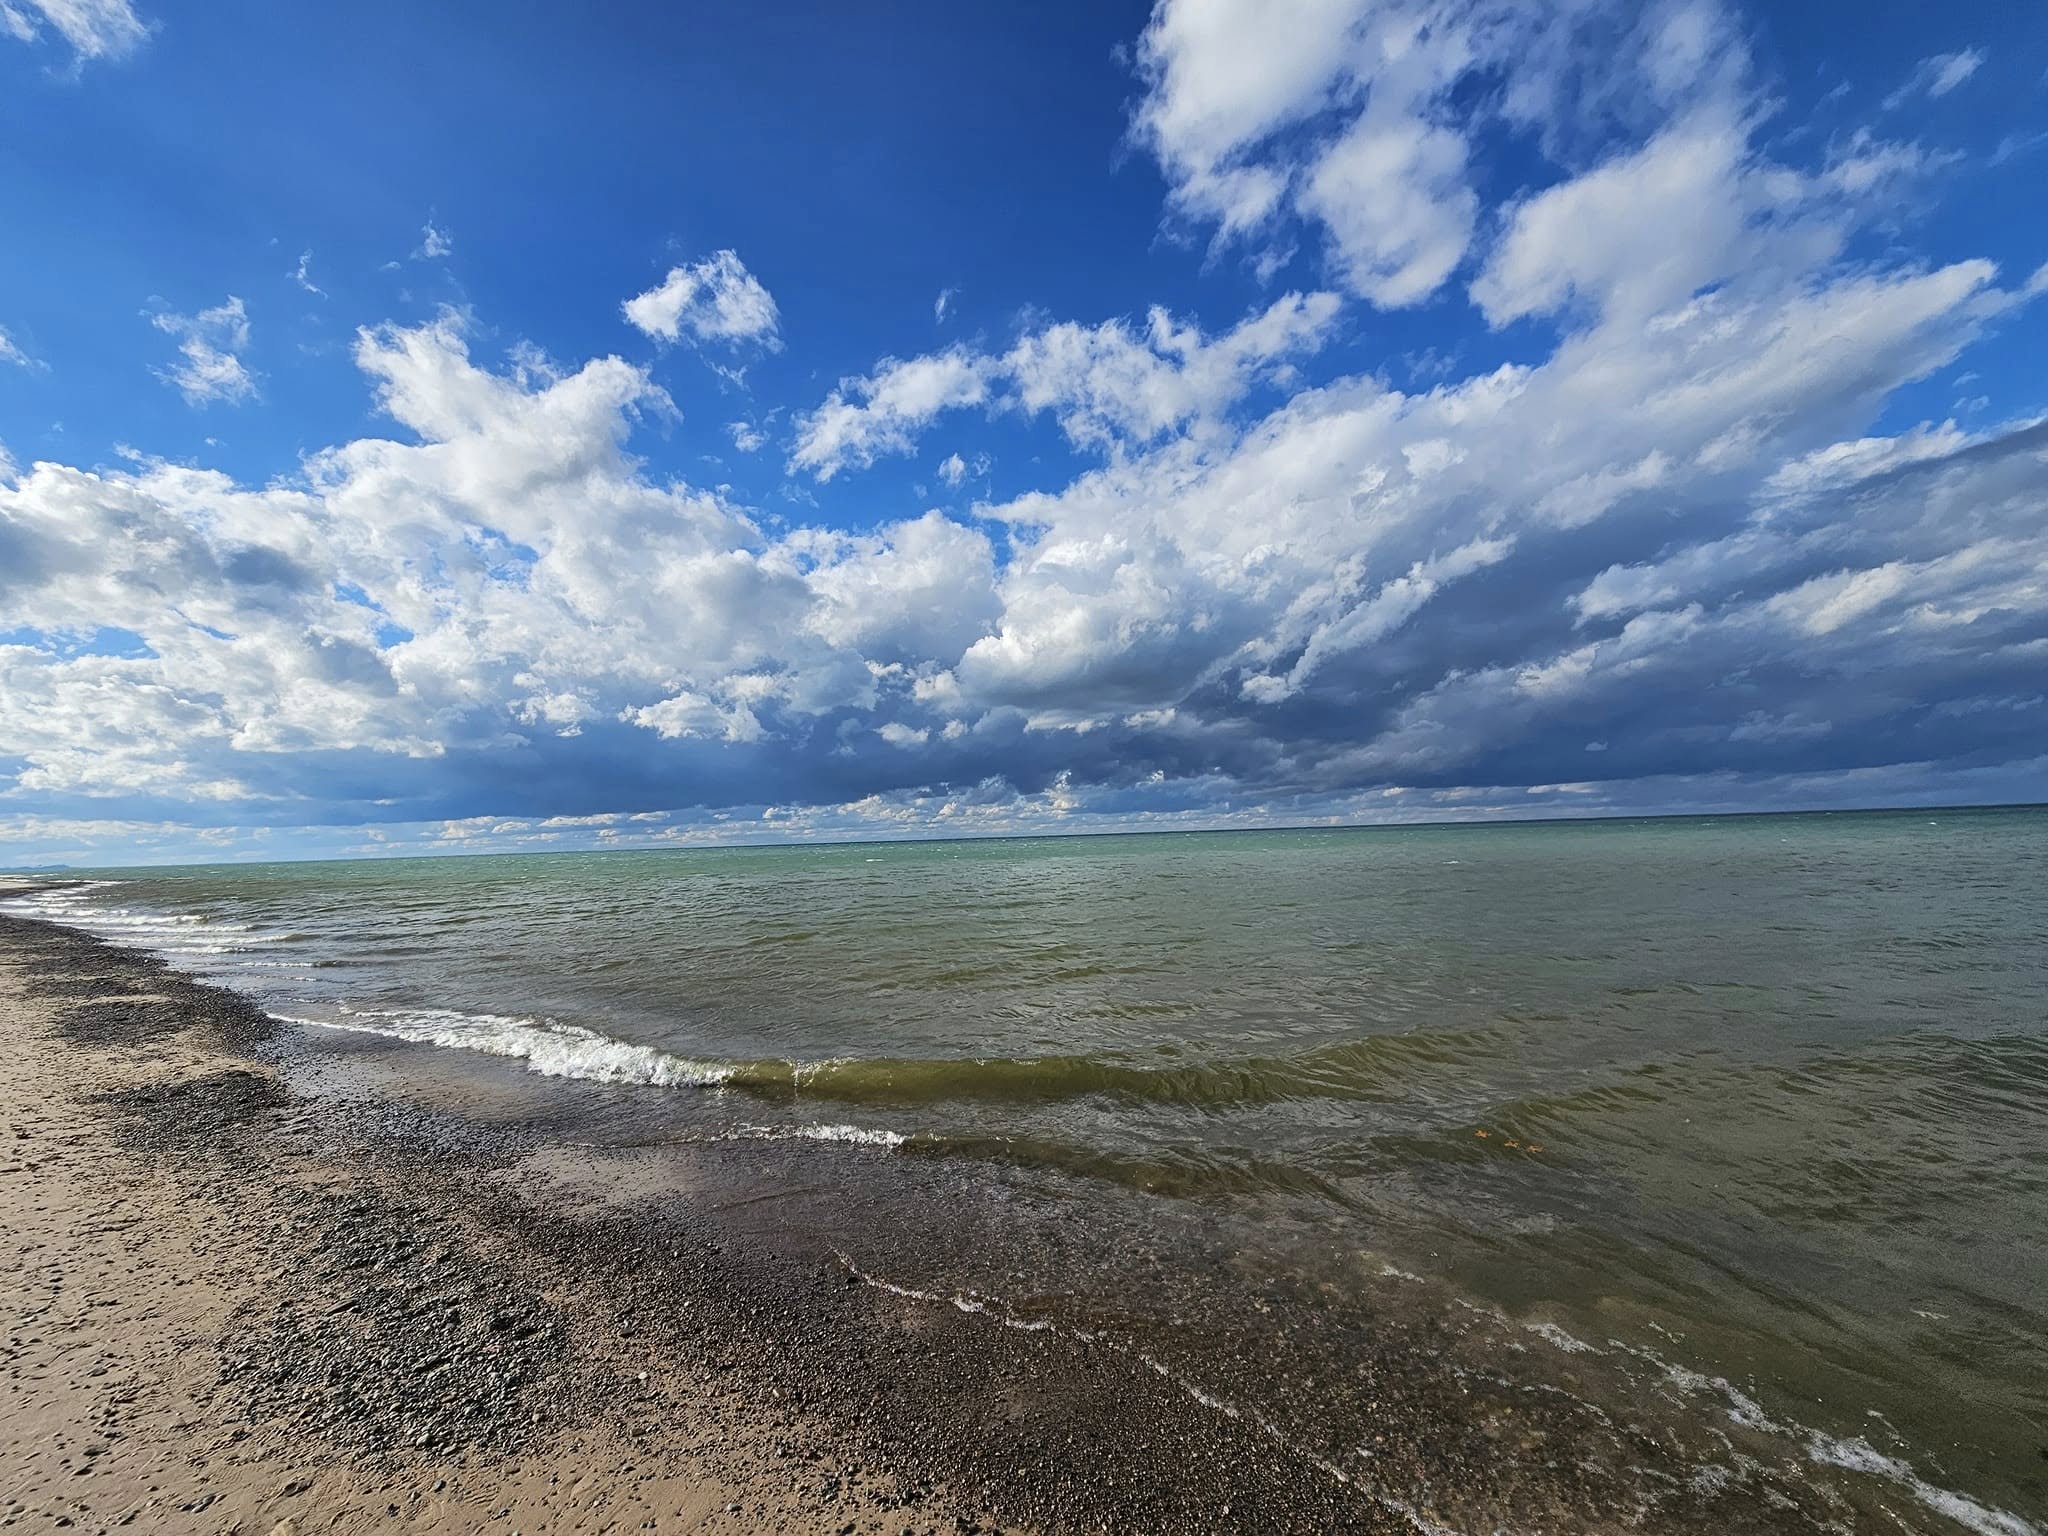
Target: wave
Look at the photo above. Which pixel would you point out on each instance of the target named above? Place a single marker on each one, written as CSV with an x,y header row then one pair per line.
x,y
1368,1069
1853,1454
173,935
1176,1173
547,1047
1363,1069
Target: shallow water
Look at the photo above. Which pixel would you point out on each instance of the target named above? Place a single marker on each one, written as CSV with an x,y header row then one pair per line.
x,y
1757,1104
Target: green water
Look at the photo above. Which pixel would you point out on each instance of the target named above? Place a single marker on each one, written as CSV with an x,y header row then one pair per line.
x,y
1765,1099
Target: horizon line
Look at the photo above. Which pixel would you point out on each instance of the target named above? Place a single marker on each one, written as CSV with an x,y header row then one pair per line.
x,y
903,839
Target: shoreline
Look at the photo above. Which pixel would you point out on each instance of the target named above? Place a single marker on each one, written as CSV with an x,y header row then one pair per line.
x,y
335,1315
306,1308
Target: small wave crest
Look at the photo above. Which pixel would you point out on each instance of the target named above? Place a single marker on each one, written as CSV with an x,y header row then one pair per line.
x,y
1359,1069
189,936
857,1135
550,1048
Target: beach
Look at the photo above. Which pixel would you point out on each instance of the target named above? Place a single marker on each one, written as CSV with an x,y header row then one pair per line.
x,y
207,1336
425,1223
230,1313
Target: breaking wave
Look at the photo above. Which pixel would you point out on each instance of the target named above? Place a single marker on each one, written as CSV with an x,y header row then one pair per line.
x,y
549,1048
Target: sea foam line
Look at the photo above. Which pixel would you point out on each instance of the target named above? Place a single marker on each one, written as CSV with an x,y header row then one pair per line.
x,y
999,1312
858,1135
173,935
1822,1449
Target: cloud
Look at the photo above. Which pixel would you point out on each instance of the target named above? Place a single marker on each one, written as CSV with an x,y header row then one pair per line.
x,y
943,305
1111,386
716,299
435,243
2016,144
1341,117
995,807
1221,82
94,29
1634,235
954,470
1360,118
11,352
1392,195
210,345
864,418
1355,586
509,576
1325,561
303,275
746,436
1935,76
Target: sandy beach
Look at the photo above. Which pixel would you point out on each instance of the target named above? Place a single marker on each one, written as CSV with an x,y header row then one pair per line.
x,y
197,1341
230,1309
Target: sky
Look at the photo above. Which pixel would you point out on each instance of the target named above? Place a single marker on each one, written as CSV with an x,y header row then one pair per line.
x,y
499,427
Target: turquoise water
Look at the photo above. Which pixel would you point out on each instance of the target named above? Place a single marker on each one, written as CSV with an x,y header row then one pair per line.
x,y
1762,1100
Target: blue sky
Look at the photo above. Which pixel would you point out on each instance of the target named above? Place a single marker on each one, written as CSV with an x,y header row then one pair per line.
x,y
463,427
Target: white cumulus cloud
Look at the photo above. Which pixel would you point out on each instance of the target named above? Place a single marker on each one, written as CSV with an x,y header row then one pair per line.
x,y
882,413
1111,386
716,299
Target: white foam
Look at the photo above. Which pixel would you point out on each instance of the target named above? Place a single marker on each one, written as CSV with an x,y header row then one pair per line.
x,y
859,1135
550,1048
1860,1456
1557,1338
1855,1454
172,935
